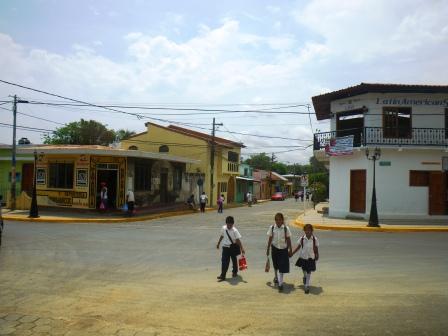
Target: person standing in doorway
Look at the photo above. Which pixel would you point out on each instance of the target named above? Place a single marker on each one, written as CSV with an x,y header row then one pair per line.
x,y
103,196
249,198
229,238
280,242
203,199
130,201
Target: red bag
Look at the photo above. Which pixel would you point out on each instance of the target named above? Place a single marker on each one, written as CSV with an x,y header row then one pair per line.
x,y
242,263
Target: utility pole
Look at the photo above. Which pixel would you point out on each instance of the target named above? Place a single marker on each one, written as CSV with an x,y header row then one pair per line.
x,y
270,175
212,160
13,162
14,150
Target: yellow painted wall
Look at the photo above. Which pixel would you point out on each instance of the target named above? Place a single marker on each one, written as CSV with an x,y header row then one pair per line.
x,y
78,197
197,149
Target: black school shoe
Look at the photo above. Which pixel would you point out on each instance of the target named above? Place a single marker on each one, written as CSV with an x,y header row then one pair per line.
x,y
234,275
220,278
307,290
280,288
275,281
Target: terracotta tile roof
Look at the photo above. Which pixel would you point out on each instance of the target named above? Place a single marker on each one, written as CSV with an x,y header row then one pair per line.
x,y
203,136
322,103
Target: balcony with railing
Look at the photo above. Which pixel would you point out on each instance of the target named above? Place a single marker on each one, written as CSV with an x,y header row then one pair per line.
x,y
382,136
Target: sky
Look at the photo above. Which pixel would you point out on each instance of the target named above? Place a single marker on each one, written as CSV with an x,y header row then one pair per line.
x,y
226,55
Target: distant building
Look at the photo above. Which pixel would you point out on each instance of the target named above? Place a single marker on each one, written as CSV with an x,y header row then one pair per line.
x,y
195,145
71,176
244,182
409,124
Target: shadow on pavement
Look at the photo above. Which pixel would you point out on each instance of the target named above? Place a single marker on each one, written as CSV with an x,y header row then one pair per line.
x,y
313,289
287,288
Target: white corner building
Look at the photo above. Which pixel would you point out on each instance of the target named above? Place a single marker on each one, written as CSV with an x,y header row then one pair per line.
x,y
409,125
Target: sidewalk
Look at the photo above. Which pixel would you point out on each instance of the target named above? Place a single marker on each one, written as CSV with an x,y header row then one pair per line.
x,y
57,215
321,221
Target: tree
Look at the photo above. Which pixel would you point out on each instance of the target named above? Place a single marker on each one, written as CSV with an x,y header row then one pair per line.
x,y
123,134
81,132
260,161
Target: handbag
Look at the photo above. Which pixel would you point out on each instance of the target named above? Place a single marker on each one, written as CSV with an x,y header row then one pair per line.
x,y
267,267
242,263
234,248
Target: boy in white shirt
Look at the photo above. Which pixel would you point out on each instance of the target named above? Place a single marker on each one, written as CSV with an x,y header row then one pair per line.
x,y
229,237
309,254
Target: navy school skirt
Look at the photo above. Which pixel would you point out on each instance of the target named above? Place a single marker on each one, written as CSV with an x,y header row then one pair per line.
x,y
308,265
280,259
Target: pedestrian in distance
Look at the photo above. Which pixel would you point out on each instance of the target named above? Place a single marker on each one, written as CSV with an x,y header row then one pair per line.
x,y
279,242
103,196
308,255
249,198
130,202
191,203
220,203
296,195
203,199
231,248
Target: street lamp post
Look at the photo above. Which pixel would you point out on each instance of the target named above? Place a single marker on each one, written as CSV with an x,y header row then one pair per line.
x,y
373,218
34,211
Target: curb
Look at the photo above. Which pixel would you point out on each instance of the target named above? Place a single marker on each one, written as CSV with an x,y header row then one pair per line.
x,y
53,219
299,223
97,220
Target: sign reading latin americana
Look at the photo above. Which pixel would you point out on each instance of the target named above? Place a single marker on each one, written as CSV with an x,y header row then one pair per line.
x,y
413,101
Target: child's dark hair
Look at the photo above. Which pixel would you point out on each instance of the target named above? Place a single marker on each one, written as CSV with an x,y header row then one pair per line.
x,y
308,226
230,220
279,215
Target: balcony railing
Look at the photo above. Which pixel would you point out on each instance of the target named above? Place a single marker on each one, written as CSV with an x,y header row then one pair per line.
x,y
388,137
233,167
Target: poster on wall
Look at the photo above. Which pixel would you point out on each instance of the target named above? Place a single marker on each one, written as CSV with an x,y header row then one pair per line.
x,y
340,146
81,178
41,176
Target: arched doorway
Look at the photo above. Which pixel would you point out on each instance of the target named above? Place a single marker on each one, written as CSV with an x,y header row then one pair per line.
x,y
231,190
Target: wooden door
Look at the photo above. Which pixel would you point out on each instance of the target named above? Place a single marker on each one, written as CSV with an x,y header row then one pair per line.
x,y
231,190
437,193
358,191
27,177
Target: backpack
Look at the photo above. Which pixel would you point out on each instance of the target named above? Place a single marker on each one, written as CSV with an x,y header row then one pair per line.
x,y
315,249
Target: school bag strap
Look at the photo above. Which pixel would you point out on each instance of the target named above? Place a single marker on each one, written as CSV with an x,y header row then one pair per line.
x,y
229,237
272,229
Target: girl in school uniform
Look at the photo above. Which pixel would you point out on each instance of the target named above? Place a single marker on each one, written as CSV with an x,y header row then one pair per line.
x,y
279,242
308,255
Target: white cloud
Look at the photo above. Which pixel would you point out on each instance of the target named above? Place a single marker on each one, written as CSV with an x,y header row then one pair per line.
x,y
366,30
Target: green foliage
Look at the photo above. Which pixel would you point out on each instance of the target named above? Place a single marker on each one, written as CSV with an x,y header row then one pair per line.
x,y
123,134
85,132
319,192
280,168
260,161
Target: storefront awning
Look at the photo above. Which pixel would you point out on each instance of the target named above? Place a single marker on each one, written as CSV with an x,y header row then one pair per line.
x,y
244,178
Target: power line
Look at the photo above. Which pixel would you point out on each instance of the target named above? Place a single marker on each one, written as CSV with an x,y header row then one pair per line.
x,y
202,111
27,128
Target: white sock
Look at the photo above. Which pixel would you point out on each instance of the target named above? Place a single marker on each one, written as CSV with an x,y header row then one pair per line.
x,y
280,278
308,278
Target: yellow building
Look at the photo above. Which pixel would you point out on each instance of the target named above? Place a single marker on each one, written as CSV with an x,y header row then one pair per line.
x,y
72,176
198,146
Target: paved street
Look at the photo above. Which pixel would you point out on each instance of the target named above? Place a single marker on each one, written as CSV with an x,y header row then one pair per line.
x,y
159,278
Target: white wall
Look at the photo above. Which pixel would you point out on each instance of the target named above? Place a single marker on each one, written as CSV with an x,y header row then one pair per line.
x,y
395,198
419,102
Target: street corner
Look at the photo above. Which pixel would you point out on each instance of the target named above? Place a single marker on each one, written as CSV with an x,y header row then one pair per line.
x,y
345,225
